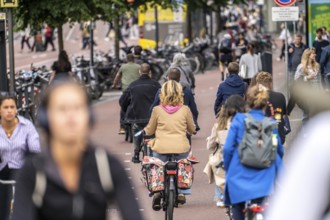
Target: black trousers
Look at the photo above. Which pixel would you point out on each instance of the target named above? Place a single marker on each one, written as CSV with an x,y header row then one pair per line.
x,y
49,40
6,192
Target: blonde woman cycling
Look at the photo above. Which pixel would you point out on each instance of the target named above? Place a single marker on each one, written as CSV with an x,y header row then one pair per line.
x,y
170,122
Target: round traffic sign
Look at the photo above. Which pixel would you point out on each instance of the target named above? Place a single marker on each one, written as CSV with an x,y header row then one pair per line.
x,y
285,3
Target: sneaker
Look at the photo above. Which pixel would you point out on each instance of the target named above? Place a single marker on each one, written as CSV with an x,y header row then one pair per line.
x,y
181,199
136,158
156,202
122,131
220,204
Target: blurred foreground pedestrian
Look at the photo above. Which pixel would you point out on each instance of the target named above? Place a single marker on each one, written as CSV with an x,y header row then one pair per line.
x,y
18,137
71,179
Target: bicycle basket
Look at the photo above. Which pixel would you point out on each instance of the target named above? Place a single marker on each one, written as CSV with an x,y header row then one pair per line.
x,y
153,174
185,174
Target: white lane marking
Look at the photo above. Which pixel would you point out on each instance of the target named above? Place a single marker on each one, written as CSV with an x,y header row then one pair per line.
x,y
127,161
70,33
127,154
141,210
129,177
127,169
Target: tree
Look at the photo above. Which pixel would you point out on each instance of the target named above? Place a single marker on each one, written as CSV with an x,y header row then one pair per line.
x,y
53,12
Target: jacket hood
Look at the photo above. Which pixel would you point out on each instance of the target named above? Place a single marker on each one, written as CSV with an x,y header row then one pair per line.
x,y
234,80
171,109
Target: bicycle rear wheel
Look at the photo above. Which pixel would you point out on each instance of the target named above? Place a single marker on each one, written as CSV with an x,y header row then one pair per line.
x,y
170,205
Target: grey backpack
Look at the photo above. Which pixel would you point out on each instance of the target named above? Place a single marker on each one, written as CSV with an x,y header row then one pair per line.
x,y
258,148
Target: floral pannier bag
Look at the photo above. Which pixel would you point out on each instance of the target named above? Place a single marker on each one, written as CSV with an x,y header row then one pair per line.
x,y
153,174
185,174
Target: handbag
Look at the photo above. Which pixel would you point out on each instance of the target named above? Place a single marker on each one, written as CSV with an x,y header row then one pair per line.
x,y
243,71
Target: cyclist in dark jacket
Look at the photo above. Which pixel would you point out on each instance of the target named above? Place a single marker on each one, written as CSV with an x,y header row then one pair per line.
x,y
189,100
233,85
136,101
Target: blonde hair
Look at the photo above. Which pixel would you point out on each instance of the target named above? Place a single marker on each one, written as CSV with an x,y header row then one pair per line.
x,y
257,97
306,61
171,94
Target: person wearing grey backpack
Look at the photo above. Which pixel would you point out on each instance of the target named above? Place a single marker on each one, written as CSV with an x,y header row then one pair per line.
x,y
252,154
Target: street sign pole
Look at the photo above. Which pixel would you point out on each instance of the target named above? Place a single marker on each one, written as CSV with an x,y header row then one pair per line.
x,y
286,60
3,54
156,28
11,50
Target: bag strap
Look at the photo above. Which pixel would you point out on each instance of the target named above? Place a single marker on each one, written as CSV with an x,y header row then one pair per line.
x,y
185,73
104,171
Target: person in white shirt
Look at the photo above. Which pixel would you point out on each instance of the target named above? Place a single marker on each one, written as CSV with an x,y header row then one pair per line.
x,y
251,62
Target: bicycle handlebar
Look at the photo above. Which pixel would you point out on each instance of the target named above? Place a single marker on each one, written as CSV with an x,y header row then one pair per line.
x,y
8,182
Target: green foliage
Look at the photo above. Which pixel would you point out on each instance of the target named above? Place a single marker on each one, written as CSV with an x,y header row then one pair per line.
x,y
213,5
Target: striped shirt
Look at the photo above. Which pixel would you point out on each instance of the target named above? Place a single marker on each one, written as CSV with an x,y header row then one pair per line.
x,y
24,139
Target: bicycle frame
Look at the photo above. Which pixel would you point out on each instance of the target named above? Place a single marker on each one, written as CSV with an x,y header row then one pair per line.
x,y
171,190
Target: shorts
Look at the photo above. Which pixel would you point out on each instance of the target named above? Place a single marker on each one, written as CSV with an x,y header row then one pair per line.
x,y
226,58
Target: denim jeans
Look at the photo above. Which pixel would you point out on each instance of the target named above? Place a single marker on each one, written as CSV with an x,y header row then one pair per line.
x,y
218,194
166,157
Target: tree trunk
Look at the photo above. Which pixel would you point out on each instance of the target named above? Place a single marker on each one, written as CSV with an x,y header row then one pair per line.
x,y
117,31
60,37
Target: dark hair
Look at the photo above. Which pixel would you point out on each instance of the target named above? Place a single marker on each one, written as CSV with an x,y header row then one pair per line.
x,y
319,30
299,35
233,104
174,74
130,58
7,96
145,68
233,68
63,60
137,50
251,47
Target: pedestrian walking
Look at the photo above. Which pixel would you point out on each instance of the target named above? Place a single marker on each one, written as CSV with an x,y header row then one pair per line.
x,y
308,73
138,55
18,137
25,38
85,34
127,74
285,34
250,64
72,178
170,122
296,50
233,85
61,69
241,46
325,66
49,35
298,187
225,54
136,101
187,77
244,181
215,143
276,105
319,44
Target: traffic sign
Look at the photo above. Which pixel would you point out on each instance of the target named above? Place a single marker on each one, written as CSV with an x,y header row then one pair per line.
x,y
2,16
285,13
9,3
284,3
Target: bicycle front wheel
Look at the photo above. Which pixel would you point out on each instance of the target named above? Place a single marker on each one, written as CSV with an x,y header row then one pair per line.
x,y
170,205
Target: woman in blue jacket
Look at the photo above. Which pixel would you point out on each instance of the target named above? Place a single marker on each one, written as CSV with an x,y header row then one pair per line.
x,y
245,183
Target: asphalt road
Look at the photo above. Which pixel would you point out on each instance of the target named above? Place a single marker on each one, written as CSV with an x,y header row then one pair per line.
x,y
200,204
